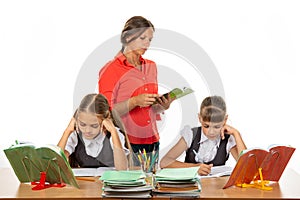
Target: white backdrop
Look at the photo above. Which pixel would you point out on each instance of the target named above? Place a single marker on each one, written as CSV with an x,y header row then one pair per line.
x,y
253,44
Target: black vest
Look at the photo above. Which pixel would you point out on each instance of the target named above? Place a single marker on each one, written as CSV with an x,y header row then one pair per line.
x,y
221,156
79,158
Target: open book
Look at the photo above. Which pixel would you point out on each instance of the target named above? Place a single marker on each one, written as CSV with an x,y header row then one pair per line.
x,y
177,93
28,161
218,171
271,163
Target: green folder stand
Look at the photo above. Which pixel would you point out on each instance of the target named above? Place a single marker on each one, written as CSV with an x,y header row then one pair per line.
x,y
43,166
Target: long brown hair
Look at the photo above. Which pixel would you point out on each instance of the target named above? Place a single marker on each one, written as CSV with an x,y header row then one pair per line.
x,y
94,103
98,104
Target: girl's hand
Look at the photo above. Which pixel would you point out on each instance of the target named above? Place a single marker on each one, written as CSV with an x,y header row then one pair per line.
x,y
229,130
144,100
204,169
72,126
107,124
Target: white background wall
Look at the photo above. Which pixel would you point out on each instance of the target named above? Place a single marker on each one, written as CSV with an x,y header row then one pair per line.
x,y
253,44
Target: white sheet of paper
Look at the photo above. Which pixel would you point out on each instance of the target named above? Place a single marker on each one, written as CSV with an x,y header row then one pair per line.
x,y
218,171
91,171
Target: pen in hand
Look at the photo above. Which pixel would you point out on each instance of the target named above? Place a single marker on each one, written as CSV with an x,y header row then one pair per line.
x,y
196,156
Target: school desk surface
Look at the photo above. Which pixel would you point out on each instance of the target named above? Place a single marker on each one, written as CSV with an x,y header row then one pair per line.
x,y
287,188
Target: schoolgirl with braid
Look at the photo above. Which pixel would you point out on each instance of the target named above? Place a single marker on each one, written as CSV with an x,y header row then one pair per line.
x,y
92,139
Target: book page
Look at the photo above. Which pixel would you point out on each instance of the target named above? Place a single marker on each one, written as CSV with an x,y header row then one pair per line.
x,y
276,161
142,194
27,144
218,171
177,93
91,171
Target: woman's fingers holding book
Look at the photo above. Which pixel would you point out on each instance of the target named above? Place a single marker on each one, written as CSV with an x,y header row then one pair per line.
x,y
144,100
165,102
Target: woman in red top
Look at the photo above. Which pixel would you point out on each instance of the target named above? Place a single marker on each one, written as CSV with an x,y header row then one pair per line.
x,y
130,84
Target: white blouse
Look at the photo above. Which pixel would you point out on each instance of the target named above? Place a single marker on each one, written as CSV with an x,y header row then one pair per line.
x,y
93,147
208,148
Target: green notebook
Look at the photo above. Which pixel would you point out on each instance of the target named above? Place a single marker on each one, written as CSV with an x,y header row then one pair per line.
x,y
177,93
112,175
28,161
188,173
123,178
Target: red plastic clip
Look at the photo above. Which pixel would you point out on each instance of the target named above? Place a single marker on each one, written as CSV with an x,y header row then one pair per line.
x,y
42,184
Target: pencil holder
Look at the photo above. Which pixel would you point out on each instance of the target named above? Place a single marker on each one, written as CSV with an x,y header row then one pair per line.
x,y
147,161
149,178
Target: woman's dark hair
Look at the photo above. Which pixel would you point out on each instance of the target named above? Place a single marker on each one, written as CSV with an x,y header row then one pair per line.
x,y
213,109
134,27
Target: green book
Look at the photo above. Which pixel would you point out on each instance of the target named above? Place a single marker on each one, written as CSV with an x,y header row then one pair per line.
x,y
122,175
188,173
177,93
123,178
28,161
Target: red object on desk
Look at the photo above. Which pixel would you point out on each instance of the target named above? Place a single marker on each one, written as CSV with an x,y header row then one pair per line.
x,y
42,184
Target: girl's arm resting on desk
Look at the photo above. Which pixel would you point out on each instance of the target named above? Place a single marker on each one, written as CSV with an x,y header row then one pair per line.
x,y
203,170
169,160
64,138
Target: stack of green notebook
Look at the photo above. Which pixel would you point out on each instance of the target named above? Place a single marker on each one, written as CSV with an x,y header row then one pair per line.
x,y
177,182
125,184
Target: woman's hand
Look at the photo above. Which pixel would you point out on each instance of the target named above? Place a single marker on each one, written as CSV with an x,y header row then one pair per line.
x,y
144,100
165,102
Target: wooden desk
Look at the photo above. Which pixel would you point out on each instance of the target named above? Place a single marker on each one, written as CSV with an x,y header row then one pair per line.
x,y
287,188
